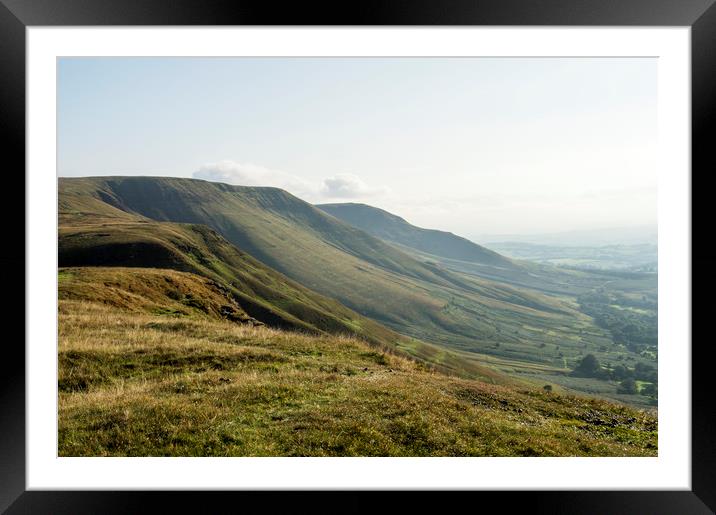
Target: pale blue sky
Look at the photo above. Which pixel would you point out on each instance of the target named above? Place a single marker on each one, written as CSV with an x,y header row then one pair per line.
x,y
470,145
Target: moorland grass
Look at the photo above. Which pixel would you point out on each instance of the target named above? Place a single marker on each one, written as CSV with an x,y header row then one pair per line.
x,y
139,384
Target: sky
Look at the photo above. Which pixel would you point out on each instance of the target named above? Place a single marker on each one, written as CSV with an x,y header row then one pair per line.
x,y
475,146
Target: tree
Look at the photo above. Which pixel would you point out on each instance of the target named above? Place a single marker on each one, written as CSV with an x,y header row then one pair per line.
x,y
645,372
588,367
547,388
627,386
621,372
649,390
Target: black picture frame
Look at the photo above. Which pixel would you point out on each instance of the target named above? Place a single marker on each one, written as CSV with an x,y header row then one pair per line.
x,y
16,15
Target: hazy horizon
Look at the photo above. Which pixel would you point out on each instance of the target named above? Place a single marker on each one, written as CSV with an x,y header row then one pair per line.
x,y
473,146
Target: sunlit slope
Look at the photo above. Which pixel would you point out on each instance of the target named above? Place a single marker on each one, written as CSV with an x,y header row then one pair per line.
x,y
389,227
151,382
362,272
459,254
152,291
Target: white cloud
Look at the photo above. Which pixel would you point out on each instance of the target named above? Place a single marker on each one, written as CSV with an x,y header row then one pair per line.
x,y
339,186
348,186
247,174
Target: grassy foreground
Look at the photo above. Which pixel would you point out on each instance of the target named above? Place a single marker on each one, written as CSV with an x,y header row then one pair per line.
x,y
143,384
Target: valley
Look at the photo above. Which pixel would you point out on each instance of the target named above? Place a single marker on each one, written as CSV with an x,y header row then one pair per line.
x,y
620,329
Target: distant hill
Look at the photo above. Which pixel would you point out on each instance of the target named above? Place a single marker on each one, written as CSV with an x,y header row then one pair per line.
x,y
638,257
459,254
390,227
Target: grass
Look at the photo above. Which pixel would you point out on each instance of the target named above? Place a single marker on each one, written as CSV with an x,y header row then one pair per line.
x,y
136,384
147,290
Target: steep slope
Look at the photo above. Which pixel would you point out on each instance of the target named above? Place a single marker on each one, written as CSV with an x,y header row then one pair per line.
x,y
295,238
256,219
389,227
467,314
91,235
261,293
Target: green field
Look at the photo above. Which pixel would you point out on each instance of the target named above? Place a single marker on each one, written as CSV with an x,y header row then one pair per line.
x,y
639,256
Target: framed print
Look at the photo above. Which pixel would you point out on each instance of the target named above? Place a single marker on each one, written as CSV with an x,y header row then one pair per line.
x,y
414,249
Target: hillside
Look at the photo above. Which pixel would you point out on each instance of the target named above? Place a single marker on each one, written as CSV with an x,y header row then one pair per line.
x,y
272,225
315,249
523,333
389,227
137,378
459,254
263,293
99,237
152,290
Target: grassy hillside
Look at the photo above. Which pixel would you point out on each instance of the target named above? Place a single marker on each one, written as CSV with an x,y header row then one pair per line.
x,y
459,254
94,233
390,227
422,300
148,382
319,252
151,290
279,229
264,294
107,260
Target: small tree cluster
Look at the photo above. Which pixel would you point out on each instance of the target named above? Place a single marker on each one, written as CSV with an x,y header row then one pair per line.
x,y
628,386
589,366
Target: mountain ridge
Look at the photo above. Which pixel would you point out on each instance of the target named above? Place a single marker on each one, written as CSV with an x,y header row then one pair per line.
x,y
391,227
